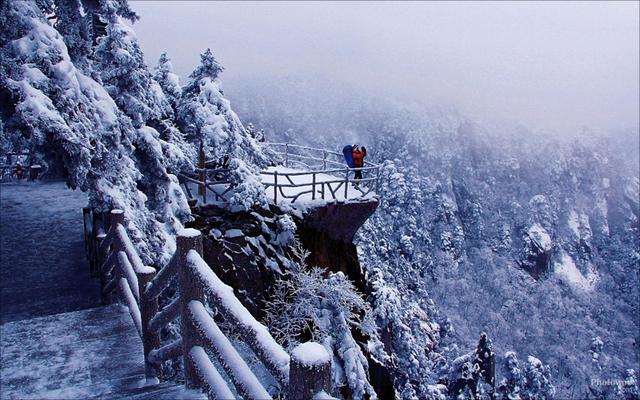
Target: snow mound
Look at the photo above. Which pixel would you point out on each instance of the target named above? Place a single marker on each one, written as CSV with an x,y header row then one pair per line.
x,y
189,232
311,354
567,271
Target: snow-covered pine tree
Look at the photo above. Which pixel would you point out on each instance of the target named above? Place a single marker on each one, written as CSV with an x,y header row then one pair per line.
x,y
131,85
532,383
513,381
204,114
125,76
170,85
69,120
74,28
168,80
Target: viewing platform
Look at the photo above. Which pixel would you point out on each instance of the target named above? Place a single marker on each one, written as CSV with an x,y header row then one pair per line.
x,y
316,182
300,175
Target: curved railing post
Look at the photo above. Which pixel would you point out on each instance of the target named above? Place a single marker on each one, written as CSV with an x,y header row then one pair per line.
x,y
117,218
201,166
204,187
187,240
286,154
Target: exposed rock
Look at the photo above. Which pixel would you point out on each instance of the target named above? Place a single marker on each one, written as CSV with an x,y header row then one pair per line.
x,y
537,251
237,246
340,221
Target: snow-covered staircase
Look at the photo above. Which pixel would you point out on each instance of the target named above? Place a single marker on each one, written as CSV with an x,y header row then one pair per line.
x,y
93,353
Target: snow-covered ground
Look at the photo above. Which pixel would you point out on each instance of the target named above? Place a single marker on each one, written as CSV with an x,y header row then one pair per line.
x,y
566,270
43,268
71,355
49,349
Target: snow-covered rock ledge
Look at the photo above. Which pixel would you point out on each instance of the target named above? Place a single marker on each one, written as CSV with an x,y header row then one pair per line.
x,y
339,220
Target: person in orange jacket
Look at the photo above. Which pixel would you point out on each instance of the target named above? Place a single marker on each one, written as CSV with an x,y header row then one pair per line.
x,y
19,170
358,154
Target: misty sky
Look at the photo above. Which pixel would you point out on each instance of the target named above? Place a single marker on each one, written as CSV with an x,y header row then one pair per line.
x,y
549,65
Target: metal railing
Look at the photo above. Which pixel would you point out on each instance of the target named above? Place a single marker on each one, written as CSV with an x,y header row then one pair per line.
x,y
114,259
8,163
324,174
315,173
208,180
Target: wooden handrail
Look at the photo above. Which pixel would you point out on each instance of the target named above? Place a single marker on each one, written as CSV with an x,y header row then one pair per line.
x,y
200,330
122,270
245,381
211,379
138,288
253,333
161,319
166,352
162,279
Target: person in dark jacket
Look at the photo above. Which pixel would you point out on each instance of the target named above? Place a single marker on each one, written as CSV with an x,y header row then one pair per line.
x,y
358,154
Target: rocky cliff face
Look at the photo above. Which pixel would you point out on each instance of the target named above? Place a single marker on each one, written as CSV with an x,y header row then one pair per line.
x,y
243,250
249,250
327,233
339,221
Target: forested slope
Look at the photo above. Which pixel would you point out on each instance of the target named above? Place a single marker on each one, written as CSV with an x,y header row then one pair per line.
x,y
531,237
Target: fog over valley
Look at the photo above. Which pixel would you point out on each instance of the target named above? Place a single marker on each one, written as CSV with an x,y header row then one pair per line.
x,y
553,66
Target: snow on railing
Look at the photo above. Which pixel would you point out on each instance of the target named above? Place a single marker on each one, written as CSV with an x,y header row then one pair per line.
x,y
308,173
116,261
200,330
253,333
120,269
317,173
198,280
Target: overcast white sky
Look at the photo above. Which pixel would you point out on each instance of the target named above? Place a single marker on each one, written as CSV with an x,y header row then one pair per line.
x,y
548,65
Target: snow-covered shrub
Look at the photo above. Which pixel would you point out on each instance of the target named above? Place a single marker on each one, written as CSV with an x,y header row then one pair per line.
x,y
307,306
539,384
596,348
513,380
248,191
285,231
